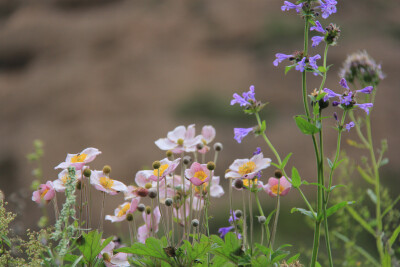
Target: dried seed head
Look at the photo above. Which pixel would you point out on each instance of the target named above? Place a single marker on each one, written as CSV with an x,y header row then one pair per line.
x,y
152,193
262,219
218,147
168,202
141,207
211,166
129,217
195,223
278,174
142,192
156,165
199,146
238,213
238,183
186,160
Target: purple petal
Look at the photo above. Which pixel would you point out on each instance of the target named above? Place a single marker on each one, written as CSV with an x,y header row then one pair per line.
x,y
350,125
366,90
240,133
316,40
343,83
318,27
366,107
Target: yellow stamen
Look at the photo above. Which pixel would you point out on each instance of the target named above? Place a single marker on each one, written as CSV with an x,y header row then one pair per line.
x,y
65,179
123,210
204,141
200,175
44,193
198,188
162,169
274,189
247,168
106,182
246,182
78,158
180,141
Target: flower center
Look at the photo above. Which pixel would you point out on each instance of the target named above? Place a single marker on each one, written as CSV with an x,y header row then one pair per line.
x,y
162,169
78,158
197,189
200,175
274,189
44,193
204,142
106,182
65,179
123,210
247,168
180,141
246,182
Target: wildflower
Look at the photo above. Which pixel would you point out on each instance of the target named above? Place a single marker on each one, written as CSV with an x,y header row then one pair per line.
x,y
281,57
112,260
208,135
123,209
288,5
313,61
240,133
333,34
150,226
272,187
180,140
224,230
245,98
301,65
79,160
216,190
63,177
45,192
327,8
198,173
258,151
248,168
316,40
104,183
318,27
349,126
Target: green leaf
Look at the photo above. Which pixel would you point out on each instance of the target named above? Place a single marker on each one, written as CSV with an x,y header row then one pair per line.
x,y
335,208
394,236
288,68
305,126
77,261
389,208
296,179
263,126
6,240
293,258
92,245
360,220
365,175
321,69
305,212
320,96
329,163
285,161
276,165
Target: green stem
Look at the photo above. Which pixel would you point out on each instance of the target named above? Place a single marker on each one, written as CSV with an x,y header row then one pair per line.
x,y
278,205
324,76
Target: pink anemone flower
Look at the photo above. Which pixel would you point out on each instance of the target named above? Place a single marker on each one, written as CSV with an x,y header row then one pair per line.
x,y
180,140
112,260
45,192
198,173
124,209
208,135
104,183
272,187
145,230
166,168
79,160
63,177
248,168
215,191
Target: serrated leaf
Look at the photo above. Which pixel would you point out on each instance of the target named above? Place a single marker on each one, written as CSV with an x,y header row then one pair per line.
x,y
296,179
305,126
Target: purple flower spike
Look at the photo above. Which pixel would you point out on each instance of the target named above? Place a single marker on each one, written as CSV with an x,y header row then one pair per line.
x,y
349,126
288,5
366,90
241,133
343,83
280,57
347,99
318,27
313,61
240,100
301,65
250,94
316,40
328,8
224,230
366,107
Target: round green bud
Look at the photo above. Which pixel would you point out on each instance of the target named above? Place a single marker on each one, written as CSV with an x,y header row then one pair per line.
x,y
129,217
211,166
79,185
195,223
180,141
107,169
156,165
238,213
87,172
186,160
278,174
148,186
199,146
262,219
238,183
168,153
152,193
148,209
168,202
141,207
218,146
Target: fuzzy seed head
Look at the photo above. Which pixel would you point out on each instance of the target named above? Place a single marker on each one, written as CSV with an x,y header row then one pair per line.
x,y
278,174
238,183
262,219
168,202
152,193
211,166
218,146
107,169
238,213
156,165
141,207
129,217
195,223
199,146
87,172
186,160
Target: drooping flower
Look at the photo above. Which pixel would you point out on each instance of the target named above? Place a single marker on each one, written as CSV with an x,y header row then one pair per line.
x,y
113,260
288,5
198,173
281,57
63,177
45,193
272,186
248,168
102,182
208,134
150,226
79,160
241,133
122,210
180,140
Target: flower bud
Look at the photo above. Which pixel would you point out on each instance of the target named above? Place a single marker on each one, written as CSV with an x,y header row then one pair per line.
x,y
278,174
333,33
148,186
142,192
141,207
87,172
168,153
168,202
152,193
218,146
79,185
129,217
238,183
211,166
186,160
199,146
148,209
238,213
107,169
262,219
195,223
156,165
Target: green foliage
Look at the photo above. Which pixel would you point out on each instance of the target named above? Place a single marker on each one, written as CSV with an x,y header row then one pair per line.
x,y
90,246
305,126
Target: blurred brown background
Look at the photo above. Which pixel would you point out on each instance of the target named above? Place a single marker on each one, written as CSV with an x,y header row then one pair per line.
x,y
117,75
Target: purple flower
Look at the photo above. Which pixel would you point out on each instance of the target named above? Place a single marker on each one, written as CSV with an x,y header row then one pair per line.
x,y
234,217
244,99
365,107
328,8
280,57
316,40
301,65
366,90
224,230
330,94
318,27
313,61
288,5
240,133
258,151
347,99
343,83
349,126
335,116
